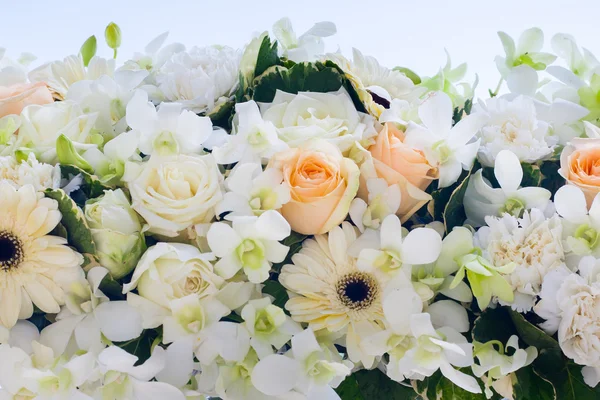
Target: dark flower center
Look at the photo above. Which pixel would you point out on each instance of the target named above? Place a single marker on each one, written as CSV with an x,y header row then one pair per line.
x,y
357,290
11,251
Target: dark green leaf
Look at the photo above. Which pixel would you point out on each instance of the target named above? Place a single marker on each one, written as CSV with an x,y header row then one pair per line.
x,y
493,324
91,185
78,233
374,384
531,334
140,347
530,386
349,86
454,211
267,56
111,288
275,289
427,388
449,391
349,390
552,180
221,115
531,175
39,320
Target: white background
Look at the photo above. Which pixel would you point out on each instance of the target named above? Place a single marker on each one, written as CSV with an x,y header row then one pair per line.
x,y
407,33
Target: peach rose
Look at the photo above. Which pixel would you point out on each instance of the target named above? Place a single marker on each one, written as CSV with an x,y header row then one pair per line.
x,y
389,158
16,97
322,185
580,166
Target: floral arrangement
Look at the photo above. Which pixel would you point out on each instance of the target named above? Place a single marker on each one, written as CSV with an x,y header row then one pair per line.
x,y
276,222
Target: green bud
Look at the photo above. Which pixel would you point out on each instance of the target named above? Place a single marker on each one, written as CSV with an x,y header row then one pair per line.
x,y
88,49
68,155
112,34
410,74
22,154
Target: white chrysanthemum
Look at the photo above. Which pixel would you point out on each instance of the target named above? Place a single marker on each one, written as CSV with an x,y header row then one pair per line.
x,y
31,172
513,125
532,242
331,292
35,266
199,77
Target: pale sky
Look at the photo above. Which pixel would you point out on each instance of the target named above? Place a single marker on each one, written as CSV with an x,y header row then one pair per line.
x,y
407,33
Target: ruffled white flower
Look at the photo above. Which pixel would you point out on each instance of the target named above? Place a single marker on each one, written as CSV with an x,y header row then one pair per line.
x,y
29,172
532,242
170,130
332,293
268,325
252,245
383,200
525,52
44,374
199,77
252,140
482,200
447,147
385,252
173,193
513,125
60,75
308,115
497,365
122,380
42,125
308,368
441,349
307,46
36,266
570,304
88,315
108,98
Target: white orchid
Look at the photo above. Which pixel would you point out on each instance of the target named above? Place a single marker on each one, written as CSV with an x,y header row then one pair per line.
x,y
123,380
268,325
385,252
109,164
582,65
383,200
88,315
170,130
252,191
154,56
527,51
448,147
481,199
307,46
252,245
581,227
253,139
311,369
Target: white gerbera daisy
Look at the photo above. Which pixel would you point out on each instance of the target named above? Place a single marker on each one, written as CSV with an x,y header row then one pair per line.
x,y
332,293
34,266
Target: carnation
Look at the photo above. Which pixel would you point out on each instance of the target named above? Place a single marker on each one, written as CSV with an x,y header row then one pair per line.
x,y
513,125
199,77
532,242
29,171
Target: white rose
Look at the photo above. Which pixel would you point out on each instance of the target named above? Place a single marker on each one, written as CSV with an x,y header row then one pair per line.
x,y
42,125
571,304
116,230
169,271
199,77
307,115
175,192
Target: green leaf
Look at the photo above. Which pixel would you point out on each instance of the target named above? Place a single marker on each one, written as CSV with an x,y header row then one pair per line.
x,y
276,289
140,347
449,391
410,74
530,386
427,388
68,155
111,288
531,334
88,49
303,77
454,211
78,233
532,175
347,83
349,390
91,186
566,376
267,56
493,324
374,384
552,180
222,113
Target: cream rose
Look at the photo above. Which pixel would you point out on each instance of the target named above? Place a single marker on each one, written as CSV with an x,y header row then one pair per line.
x,y
169,271
580,166
308,115
322,185
16,97
175,192
389,158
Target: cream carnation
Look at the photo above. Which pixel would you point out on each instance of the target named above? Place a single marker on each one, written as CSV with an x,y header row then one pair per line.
x,y
532,242
199,77
173,193
29,171
513,125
